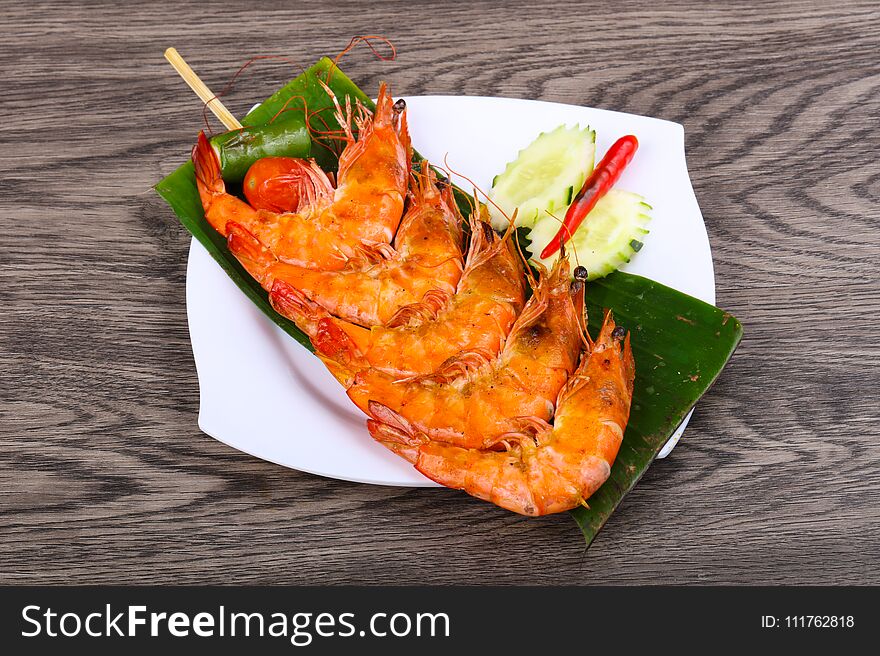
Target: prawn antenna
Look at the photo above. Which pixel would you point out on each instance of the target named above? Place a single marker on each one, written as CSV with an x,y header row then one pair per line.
x,y
567,240
510,233
367,40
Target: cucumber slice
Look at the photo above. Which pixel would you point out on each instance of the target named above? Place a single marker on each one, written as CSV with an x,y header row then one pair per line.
x,y
607,238
544,176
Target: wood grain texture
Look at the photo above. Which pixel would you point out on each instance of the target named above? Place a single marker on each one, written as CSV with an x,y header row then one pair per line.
x,y
104,475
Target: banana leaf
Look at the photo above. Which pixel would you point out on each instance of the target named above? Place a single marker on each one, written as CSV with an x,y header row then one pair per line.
x,y
680,343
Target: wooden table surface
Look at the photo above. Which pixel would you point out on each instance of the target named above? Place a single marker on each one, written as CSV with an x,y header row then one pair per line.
x,y
104,474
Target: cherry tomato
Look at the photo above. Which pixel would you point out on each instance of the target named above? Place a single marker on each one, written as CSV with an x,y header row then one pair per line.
x,y
271,184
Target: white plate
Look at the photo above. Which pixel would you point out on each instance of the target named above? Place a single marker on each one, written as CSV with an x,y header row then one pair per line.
x,y
264,394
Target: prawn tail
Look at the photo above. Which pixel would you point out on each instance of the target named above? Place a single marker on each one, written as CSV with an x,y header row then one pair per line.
x,y
393,439
393,431
334,343
290,302
250,251
207,166
337,349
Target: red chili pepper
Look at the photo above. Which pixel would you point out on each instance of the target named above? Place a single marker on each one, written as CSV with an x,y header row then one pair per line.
x,y
600,181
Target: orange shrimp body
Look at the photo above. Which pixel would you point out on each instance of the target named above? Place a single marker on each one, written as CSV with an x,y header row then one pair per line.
x,y
427,258
546,469
330,226
373,172
473,400
421,337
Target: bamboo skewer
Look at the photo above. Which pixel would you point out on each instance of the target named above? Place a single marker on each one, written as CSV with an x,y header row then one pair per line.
x,y
202,91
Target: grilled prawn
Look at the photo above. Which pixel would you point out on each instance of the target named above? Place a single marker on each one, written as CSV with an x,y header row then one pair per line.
x,y
422,336
330,226
475,398
543,469
426,259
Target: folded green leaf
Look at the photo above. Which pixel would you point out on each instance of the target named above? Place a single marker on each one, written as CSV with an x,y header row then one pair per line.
x,y
680,343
